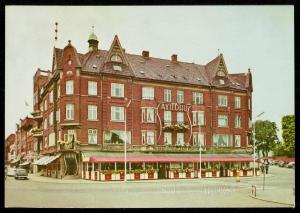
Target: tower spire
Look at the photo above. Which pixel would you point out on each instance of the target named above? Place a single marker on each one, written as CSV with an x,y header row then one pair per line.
x,y
93,41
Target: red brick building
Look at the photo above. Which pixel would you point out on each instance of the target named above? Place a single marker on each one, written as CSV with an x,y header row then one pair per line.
x,y
10,152
168,108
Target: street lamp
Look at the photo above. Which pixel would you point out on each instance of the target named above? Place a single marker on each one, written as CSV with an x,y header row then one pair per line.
x,y
200,150
125,153
254,143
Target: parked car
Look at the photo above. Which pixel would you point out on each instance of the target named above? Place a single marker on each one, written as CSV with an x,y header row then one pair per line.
x,y
21,173
11,172
290,165
281,163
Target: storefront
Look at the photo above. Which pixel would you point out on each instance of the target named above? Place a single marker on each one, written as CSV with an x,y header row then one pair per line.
x,y
111,166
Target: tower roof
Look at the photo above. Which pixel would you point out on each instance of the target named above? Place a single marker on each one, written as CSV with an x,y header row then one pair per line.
x,y
93,37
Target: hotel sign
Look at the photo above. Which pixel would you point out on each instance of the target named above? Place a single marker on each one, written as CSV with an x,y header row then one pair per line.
x,y
175,107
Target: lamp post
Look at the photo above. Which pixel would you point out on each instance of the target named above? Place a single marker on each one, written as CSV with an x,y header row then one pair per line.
x,y
254,143
125,152
200,151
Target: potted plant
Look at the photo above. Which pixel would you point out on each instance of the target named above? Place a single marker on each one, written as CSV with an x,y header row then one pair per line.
x,y
122,174
176,173
214,172
234,171
208,172
107,174
137,174
150,173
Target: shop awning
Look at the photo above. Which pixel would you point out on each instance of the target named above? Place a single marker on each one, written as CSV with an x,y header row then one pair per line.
x,y
15,161
24,163
118,157
41,160
46,160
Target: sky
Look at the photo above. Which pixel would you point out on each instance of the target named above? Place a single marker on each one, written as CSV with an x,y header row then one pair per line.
x,y
257,37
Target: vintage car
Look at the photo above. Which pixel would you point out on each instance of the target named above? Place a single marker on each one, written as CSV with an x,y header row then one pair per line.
x,y
21,173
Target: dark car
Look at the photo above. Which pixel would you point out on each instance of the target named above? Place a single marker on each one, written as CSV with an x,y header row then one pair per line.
x,y
21,173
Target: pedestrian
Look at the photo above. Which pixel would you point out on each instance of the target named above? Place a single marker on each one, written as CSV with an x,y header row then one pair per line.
x,y
267,167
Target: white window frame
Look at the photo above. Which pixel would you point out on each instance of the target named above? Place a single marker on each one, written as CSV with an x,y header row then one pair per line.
x,y
92,133
117,111
237,102
92,87
45,104
178,138
197,97
167,138
51,97
249,103
70,134
222,100
58,115
198,118
198,139
228,143
220,118
167,95
148,93
180,117
180,96
116,58
148,137
51,118
237,140
69,87
45,123
237,121
117,90
148,112
92,112
167,116
69,111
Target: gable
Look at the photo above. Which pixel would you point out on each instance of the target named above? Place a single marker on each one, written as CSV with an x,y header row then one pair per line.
x,y
116,53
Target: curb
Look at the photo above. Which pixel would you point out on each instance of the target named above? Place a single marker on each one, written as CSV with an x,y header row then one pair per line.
x,y
292,205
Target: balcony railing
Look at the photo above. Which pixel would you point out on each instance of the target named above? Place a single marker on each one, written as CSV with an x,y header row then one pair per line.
x,y
67,146
37,132
37,115
175,126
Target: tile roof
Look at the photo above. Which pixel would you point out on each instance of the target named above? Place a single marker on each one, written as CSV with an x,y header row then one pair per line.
x,y
159,69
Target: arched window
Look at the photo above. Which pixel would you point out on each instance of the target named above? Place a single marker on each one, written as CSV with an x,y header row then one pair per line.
x,y
116,58
221,73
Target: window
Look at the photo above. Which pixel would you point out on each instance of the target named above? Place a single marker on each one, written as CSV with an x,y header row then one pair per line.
x,y
51,97
116,58
180,96
117,68
117,113
237,141
198,117
168,138
198,139
45,105
46,142
45,123
180,117
92,112
220,73
167,116
167,95
58,115
148,115
237,102
222,100
148,137
237,121
58,91
59,135
117,90
221,81
69,111
51,119
92,87
222,140
222,121
92,136
148,93
197,98
180,139
51,139
250,123
249,104
69,87
69,62
71,136
117,137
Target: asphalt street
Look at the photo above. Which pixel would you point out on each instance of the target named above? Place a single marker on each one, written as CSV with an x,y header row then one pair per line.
x,y
213,192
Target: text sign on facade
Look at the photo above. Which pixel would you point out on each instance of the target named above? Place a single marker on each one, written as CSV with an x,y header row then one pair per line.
x,y
175,107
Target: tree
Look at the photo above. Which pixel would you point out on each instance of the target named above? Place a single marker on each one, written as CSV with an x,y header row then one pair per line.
x,y
288,132
265,136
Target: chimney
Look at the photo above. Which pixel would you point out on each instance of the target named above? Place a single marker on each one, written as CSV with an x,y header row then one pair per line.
x,y
145,54
174,58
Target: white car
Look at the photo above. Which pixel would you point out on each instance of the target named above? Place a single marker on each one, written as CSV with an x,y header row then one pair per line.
x,y
11,171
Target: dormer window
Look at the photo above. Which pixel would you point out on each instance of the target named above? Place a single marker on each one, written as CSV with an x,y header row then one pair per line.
x,y
116,58
117,68
221,74
221,81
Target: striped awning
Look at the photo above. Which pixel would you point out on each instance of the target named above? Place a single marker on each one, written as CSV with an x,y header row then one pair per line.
x,y
119,157
46,160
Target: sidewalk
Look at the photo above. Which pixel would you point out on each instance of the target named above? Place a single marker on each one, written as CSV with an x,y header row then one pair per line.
x,y
274,195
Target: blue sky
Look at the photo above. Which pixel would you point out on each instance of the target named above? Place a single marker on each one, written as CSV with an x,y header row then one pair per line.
x,y
256,37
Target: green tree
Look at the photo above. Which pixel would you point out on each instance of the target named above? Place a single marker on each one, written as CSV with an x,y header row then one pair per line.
x,y
265,136
288,133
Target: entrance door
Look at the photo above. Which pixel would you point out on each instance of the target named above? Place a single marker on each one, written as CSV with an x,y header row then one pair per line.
x,y
162,170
